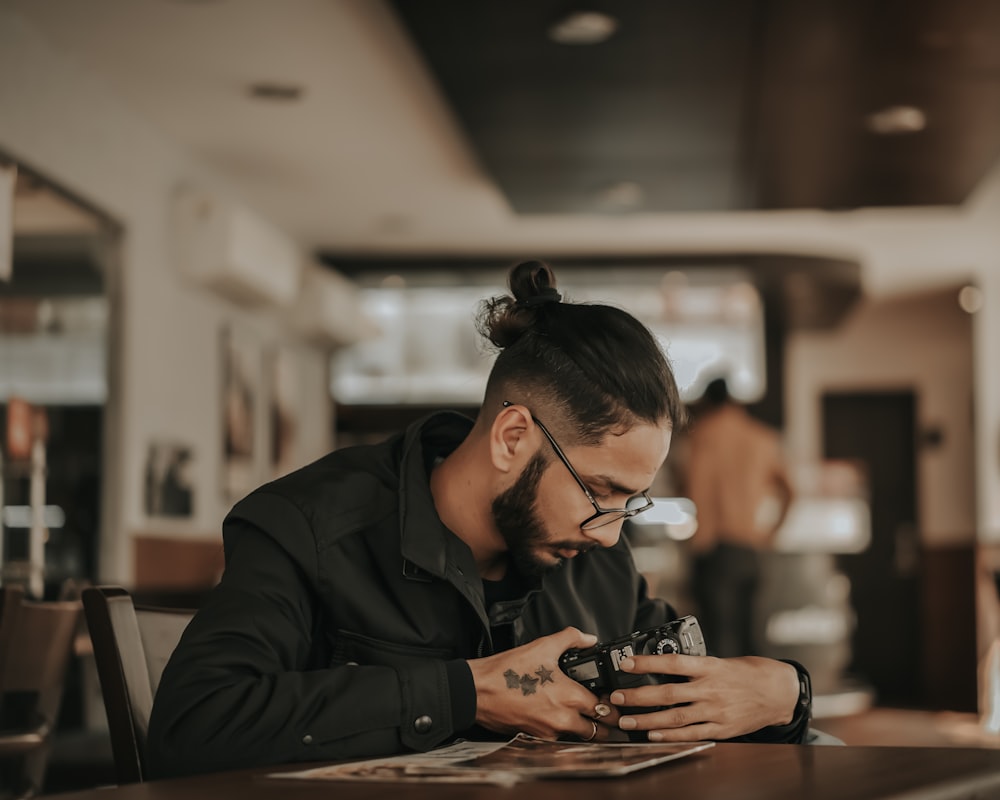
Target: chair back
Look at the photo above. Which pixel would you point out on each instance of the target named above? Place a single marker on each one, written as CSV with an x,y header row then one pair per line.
x,y
131,647
36,644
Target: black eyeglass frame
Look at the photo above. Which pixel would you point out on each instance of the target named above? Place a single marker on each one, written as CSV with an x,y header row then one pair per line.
x,y
601,516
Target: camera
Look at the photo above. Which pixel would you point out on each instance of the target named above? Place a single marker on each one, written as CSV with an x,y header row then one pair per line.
x,y
597,668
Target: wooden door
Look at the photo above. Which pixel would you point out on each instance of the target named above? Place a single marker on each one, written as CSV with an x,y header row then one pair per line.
x,y
878,429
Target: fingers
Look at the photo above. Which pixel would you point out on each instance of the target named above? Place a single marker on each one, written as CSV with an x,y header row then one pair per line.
x,y
669,664
589,707
656,695
686,723
721,699
592,730
690,733
524,689
597,721
570,638
686,716
606,713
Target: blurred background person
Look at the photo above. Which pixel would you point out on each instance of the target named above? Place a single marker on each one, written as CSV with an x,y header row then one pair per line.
x,y
737,478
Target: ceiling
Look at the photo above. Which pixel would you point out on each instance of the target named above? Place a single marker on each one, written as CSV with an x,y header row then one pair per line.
x,y
721,105
449,128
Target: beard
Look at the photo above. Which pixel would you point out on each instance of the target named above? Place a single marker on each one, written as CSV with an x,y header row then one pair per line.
x,y
516,517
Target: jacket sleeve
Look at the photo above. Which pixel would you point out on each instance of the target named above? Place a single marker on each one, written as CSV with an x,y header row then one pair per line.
x,y
243,687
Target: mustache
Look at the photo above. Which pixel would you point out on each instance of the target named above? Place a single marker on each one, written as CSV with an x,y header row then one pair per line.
x,y
580,547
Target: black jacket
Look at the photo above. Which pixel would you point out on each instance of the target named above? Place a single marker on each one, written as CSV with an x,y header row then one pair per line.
x,y
346,613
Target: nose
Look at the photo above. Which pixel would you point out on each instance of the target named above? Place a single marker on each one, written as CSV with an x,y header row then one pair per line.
x,y
606,535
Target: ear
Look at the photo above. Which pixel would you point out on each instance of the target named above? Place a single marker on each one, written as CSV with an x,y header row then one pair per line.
x,y
509,439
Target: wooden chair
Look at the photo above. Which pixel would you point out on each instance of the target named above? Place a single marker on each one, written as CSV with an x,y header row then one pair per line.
x,y
131,647
36,644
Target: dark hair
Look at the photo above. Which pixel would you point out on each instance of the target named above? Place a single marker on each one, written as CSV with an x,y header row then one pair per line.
x,y
586,367
716,393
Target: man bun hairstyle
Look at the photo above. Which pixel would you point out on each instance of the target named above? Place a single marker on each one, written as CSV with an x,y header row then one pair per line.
x,y
584,368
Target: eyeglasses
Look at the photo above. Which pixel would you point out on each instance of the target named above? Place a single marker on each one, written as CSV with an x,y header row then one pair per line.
x,y
602,516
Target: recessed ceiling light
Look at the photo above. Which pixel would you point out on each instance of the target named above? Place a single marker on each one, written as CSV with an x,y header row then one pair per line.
x,y
278,92
583,27
895,120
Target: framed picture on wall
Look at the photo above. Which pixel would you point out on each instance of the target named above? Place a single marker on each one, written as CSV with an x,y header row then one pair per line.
x,y
283,371
240,358
168,491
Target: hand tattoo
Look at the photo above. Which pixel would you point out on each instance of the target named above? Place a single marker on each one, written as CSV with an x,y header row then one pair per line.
x,y
526,683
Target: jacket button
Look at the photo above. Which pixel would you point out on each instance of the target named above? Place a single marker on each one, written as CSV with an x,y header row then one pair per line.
x,y
307,739
422,724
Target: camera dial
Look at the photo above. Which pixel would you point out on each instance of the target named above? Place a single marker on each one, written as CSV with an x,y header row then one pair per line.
x,y
667,645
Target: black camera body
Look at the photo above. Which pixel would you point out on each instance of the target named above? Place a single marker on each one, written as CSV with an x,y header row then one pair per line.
x,y
597,668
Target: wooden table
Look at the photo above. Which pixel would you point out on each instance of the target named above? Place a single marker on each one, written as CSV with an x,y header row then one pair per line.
x,y
725,772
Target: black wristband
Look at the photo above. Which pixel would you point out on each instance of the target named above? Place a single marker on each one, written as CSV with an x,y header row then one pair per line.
x,y
803,705
794,732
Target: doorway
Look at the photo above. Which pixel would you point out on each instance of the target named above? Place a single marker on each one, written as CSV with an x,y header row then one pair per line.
x,y
878,430
56,311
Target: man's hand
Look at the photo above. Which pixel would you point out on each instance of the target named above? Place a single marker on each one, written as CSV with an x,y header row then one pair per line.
x,y
523,689
723,697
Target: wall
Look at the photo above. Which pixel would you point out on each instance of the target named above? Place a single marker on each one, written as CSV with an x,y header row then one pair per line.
x,y
921,341
987,414
61,122
985,215
988,401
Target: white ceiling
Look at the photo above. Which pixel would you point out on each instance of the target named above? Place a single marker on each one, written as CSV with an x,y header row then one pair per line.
x,y
370,159
369,152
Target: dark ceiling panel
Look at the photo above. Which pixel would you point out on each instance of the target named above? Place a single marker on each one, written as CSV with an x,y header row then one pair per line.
x,y
557,125
721,104
829,65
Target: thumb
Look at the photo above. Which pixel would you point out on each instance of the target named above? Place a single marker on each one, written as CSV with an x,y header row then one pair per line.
x,y
569,638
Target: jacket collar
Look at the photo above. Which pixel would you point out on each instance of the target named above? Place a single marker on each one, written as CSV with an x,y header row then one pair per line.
x,y
427,546
425,543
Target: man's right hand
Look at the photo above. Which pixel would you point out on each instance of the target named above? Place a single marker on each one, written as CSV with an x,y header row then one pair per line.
x,y
523,689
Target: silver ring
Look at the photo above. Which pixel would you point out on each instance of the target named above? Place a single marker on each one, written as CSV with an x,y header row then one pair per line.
x,y
592,735
601,710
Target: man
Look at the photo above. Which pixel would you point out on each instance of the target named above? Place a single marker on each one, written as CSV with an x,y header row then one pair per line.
x,y
739,484
395,597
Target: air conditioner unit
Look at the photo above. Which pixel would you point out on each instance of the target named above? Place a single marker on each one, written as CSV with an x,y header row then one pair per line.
x,y
329,309
234,252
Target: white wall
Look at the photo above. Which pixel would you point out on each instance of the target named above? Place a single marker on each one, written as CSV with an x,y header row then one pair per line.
x,y
987,331
921,342
984,212
58,120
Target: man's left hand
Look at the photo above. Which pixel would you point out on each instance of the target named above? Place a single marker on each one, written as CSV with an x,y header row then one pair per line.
x,y
722,698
